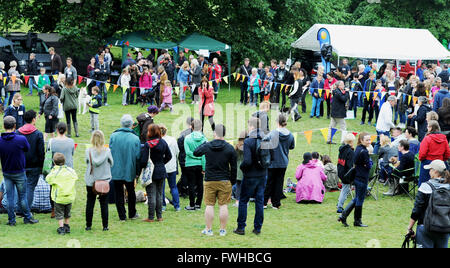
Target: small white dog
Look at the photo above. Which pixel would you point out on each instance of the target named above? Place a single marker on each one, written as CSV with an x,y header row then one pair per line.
x,y
83,100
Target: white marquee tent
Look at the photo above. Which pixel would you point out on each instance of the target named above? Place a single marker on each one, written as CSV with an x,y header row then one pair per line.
x,y
376,42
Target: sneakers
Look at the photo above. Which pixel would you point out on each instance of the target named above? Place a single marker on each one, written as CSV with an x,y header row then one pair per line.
x,y
197,207
11,223
61,231
30,221
339,210
88,228
136,216
178,209
265,207
222,232
239,232
164,208
189,208
67,228
256,232
105,229
207,232
276,208
106,104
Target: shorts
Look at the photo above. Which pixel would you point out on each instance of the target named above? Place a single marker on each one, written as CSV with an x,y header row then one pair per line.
x,y
50,125
217,190
62,211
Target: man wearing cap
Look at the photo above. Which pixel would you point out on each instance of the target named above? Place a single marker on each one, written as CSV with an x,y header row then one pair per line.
x,y
145,120
128,61
440,96
439,180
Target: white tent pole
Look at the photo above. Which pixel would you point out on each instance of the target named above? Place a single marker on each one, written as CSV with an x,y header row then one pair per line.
x,y
337,62
397,67
415,67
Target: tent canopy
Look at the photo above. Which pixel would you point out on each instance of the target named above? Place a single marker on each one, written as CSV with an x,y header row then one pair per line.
x,y
5,42
376,42
196,41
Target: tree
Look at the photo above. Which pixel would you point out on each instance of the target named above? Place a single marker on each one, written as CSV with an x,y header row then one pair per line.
x,y
10,14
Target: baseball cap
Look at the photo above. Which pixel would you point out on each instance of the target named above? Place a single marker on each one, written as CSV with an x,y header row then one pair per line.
x,y
152,109
437,165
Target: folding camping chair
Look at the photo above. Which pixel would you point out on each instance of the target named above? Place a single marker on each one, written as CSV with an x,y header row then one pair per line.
x,y
406,177
373,177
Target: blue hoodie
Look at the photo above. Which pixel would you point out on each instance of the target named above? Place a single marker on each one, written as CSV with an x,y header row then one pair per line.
x,y
439,98
283,141
12,152
249,165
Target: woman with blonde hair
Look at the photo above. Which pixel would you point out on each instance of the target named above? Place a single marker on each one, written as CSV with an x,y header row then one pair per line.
x,y
182,77
13,85
99,161
16,110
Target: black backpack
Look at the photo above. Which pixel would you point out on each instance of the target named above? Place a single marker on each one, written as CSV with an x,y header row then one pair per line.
x,y
437,215
263,153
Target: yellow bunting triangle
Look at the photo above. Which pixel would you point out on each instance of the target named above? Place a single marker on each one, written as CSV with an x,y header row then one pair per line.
x,y
415,100
55,77
373,138
115,87
327,91
324,133
225,78
367,95
320,91
282,86
409,99
428,93
210,83
243,78
375,94
234,75
107,85
4,80
308,136
124,89
238,76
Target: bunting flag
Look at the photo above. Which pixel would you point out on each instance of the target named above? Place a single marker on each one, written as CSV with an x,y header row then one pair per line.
x,y
4,80
76,145
428,93
107,85
133,89
308,136
55,77
124,89
218,52
324,133
185,87
282,86
373,138
415,100
210,83
327,93
26,79
265,83
225,78
320,91
217,81
243,78
186,50
367,95
36,78
355,133
127,43
234,75
351,96
177,90
382,95
375,95
286,89
97,83
80,79
333,131
238,76
409,99
115,87
13,78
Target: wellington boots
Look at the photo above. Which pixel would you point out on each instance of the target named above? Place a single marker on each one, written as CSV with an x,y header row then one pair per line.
x,y
348,209
358,215
75,126
69,130
392,187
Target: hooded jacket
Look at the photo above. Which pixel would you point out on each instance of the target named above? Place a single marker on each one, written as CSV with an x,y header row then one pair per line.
x,y
126,151
444,118
69,98
249,165
101,162
180,142
191,142
221,160
439,98
12,152
363,163
159,154
62,179
434,147
281,141
338,108
36,155
345,162
421,119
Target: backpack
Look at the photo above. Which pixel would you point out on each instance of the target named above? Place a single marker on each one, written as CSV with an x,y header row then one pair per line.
x,y
262,153
437,214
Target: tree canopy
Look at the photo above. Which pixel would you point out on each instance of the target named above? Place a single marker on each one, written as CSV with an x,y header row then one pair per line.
x,y
258,29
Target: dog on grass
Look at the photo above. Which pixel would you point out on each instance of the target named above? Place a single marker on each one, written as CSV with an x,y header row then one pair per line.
x,y
83,100
289,113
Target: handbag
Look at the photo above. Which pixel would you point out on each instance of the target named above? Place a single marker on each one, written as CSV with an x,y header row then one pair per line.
x,y
148,172
48,160
100,187
60,110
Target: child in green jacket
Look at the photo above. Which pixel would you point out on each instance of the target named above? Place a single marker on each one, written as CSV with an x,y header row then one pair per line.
x,y
62,179
41,82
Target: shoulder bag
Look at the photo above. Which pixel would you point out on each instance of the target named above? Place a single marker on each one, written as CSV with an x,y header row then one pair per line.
x,y
100,187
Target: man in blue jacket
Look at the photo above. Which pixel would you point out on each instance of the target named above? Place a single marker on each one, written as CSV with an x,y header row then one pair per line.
x,y
254,181
12,154
101,73
440,96
35,156
126,151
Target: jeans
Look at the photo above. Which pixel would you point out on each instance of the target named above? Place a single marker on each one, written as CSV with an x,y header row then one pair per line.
x,y
244,96
183,91
315,109
18,181
71,114
155,198
274,187
32,180
354,104
103,92
120,199
90,204
377,145
427,239
295,101
346,189
94,121
304,101
253,97
251,187
172,180
11,95
424,174
385,171
195,181
360,191
32,84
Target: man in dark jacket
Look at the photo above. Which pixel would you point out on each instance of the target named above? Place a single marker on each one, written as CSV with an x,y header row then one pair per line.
x,y
421,117
345,163
56,62
245,70
35,156
12,155
182,184
101,73
145,120
440,96
444,75
254,181
169,67
339,109
32,70
281,75
220,175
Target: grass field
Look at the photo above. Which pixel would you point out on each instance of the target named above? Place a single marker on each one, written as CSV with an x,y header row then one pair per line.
x,y
293,225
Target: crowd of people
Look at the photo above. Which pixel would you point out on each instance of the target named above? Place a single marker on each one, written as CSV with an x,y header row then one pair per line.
x,y
214,171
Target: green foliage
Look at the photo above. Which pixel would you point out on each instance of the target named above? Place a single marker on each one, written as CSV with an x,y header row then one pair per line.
x,y
10,14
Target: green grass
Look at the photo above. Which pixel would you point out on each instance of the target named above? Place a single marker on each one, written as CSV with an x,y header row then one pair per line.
x,y
293,225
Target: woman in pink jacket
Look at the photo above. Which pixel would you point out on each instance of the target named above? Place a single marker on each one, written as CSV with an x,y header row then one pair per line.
x,y
146,83
310,188
206,106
